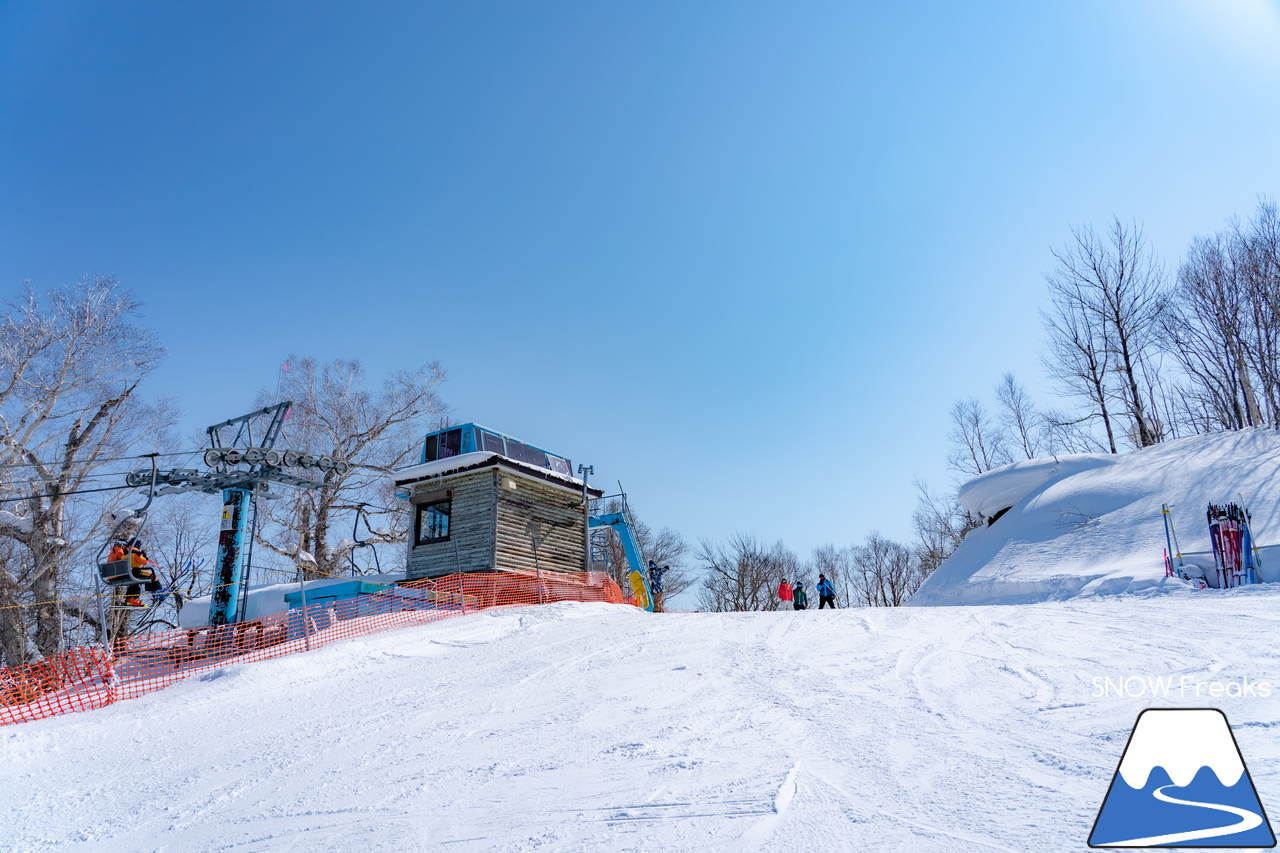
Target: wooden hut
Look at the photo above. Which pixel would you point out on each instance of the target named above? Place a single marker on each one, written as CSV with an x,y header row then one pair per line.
x,y
485,502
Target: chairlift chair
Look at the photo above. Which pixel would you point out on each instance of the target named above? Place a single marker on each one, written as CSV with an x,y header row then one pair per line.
x,y
118,573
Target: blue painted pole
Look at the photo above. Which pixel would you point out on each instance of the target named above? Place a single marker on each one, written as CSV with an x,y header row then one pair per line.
x,y
226,591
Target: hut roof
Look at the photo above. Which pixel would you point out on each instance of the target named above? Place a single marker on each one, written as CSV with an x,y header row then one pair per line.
x,y
483,459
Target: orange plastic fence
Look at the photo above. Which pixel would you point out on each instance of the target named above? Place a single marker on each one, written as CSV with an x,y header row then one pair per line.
x,y
88,677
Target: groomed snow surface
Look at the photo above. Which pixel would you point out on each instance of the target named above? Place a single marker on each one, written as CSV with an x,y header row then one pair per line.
x,y
574,727
1091,524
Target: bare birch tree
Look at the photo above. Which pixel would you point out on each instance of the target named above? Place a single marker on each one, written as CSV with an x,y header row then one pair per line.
x,y
1204,327
335,414
1022,423
70,366
979,443
940,524
886,572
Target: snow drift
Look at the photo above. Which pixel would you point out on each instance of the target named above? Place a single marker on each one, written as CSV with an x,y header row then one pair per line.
x,y
1091,524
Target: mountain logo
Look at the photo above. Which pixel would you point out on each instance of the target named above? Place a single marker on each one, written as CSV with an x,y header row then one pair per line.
x,y
1182,783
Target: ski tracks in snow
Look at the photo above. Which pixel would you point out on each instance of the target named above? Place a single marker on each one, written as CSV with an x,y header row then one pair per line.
x,y
591,727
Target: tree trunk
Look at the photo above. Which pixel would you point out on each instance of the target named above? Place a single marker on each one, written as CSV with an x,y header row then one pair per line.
x,y
1246,386
46,552
13,644
322,538
1101,391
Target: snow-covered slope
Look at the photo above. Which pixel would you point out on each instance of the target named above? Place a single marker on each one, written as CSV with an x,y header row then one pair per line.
x,y
579,727
1092,524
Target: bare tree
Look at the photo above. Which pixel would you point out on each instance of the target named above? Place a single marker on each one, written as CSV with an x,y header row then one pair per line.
x,y
940,524
336,415
1019,418
1107,296
1204,327
1259,246
979,442
887,573
183,536
1079,358
1222,325
743,574
70,365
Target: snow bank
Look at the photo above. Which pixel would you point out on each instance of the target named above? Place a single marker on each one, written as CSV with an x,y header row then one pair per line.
x,y
989,493
1091,525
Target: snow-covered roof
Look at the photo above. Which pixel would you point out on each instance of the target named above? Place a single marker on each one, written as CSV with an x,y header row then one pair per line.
x,y
478,459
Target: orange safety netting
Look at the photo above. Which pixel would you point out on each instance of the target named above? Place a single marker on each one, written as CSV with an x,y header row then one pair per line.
x,y
88,677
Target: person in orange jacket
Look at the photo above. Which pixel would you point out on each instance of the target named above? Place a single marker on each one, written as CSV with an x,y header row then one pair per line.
x,y
142,567
784,593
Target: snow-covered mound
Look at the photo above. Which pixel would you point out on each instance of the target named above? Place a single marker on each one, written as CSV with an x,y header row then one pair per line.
x,y
595,727
1091,524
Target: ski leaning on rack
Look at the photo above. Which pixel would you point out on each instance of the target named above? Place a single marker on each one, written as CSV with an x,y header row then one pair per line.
x,y
1234,557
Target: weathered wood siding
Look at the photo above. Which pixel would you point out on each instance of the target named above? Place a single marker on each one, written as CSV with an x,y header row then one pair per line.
x,y
470,528
552,516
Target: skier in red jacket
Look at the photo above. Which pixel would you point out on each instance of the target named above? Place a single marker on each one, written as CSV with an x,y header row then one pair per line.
x,y
784,593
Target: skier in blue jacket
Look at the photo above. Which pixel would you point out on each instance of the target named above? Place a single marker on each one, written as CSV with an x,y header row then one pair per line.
x,y
826,593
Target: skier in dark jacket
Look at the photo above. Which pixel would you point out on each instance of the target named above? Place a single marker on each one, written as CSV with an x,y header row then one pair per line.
x,y
799,600
826,593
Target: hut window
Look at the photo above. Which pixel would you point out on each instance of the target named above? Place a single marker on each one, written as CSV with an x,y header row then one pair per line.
x,y
560,466
451,443
443,445
433,521
493,444
525,453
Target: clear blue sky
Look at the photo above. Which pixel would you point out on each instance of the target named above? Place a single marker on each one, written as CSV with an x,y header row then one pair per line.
x,y
741,256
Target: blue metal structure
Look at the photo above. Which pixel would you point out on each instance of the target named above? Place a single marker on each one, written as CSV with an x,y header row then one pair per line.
x,y
472,438
230,565
618,521
240,486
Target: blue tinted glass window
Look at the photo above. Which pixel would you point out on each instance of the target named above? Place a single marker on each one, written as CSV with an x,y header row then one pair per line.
x,y
451,443
433,521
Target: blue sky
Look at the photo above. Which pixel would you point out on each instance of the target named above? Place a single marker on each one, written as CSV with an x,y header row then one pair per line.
x,y
741,256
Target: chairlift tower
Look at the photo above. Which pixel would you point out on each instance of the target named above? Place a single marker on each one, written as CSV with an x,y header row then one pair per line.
x,y
242,469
